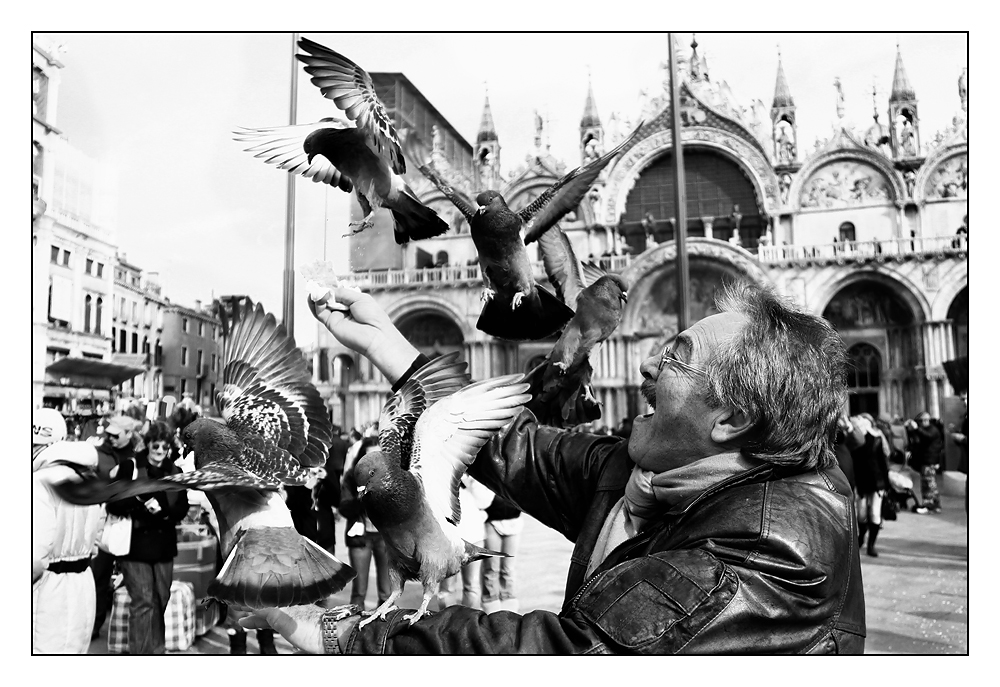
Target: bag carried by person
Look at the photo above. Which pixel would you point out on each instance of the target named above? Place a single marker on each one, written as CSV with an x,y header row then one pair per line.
x,y
117,536
890,507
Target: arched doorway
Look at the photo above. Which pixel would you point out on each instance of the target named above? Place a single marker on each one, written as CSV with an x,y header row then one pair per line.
x,y
883,345
432,333
717,190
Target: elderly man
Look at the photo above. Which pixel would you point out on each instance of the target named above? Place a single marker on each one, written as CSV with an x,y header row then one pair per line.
x,y
722,525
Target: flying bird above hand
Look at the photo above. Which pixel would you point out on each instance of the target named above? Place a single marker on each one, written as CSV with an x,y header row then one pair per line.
x,y
516,308
363,154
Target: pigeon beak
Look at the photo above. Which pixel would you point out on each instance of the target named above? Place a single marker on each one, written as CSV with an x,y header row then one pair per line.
x,y
361,491
624,296
309,157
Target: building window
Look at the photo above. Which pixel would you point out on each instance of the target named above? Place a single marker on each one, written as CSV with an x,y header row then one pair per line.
x,y
98,313
201,329
120,275
846,232
54,256
135,312
213,365
100,270
65,257
184,385
184,324
135,280
114,339
86,314
200,360
122,334
135,342
90,266
184,356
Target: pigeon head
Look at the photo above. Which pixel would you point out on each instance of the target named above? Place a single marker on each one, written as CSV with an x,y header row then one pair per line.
x,y
371,470
615,286
487,198
314,143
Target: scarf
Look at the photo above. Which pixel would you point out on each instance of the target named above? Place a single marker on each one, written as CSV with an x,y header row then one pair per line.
x,y
649,494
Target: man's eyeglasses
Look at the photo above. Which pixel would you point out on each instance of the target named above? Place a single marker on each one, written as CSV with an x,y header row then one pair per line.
x,y
158,446
667,357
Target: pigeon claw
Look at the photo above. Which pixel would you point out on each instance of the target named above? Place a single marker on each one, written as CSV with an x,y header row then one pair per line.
x,y
561,365
361,226
378,614
515,302
414,617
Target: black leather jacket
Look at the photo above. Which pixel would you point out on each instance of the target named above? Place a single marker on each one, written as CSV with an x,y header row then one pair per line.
x,y
764,562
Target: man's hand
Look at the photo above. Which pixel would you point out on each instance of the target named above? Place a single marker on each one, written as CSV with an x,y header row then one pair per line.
x,y
366,328
300,625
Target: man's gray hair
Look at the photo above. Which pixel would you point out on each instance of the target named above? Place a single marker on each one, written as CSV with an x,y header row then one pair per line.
x,y
786,371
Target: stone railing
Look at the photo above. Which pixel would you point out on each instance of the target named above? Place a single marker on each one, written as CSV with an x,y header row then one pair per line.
x,y
451,275
847,251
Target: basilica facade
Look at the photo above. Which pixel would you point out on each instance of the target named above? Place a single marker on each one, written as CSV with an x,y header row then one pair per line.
x,y
868,229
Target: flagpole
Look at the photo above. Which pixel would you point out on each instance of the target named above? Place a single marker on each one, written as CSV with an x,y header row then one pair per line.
x,y
288,292
680,198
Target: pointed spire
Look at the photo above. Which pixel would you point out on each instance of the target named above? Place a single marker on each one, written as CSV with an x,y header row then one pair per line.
x,y
487,131
782,96
590,117
901,88
696,67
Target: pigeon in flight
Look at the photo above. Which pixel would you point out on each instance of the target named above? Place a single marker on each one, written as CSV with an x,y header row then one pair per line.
x,y
561,390
430,431
516,308
274,428
362,154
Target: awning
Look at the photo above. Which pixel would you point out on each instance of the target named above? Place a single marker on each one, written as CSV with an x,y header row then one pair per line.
x,y
87,372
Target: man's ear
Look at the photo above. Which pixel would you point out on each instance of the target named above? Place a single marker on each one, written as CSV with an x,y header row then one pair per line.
x,y
731,426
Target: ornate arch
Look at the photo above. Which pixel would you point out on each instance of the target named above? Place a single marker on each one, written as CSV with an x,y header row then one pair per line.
x,y
439,306
936,161
867,157
641,272
908,292
948,292
750,160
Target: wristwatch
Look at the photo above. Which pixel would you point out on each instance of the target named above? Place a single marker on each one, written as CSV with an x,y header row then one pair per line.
x,y
331,645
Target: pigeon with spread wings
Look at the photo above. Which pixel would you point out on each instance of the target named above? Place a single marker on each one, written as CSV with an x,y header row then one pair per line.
x,y
561,390
516,308
429,433
274,427
362,154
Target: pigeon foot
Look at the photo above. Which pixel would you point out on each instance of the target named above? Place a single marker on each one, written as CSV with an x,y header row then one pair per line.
x,y
361,226
515,302
561,365
422,611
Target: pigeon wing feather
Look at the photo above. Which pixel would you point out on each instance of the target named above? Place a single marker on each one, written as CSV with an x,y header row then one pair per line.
x,y
350,87
282,146
449,435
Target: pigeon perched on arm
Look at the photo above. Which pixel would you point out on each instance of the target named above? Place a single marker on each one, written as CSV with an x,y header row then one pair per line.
x,y
561,391
274,427
516,308
363,153
430,431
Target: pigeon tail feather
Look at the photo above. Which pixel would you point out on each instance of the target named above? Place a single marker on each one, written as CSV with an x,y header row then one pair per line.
x,y
536,318
412,220
277,566
475,553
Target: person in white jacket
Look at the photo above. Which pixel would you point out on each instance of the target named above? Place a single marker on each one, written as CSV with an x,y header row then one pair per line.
x,y
63,539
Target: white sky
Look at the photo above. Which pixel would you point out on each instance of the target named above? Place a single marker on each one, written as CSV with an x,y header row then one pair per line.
x,y
210,218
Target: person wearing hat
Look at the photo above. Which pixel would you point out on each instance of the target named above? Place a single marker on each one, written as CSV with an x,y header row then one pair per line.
x,y
63,539
116,446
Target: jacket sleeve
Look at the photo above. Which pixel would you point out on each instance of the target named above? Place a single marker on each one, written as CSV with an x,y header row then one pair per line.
x,y
550,474
463,630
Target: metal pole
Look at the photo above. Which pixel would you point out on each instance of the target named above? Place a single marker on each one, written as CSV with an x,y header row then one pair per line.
x,y
680,198
288,293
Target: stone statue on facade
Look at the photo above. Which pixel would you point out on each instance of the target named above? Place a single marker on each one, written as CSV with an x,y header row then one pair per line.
x,y
784,184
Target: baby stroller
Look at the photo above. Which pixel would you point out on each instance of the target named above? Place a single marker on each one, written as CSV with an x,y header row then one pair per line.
x,y
901,485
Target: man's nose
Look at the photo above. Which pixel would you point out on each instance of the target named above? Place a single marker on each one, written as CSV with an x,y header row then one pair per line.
x,y
648,368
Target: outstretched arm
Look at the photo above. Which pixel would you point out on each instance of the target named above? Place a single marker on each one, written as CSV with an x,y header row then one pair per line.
x,y
365,328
